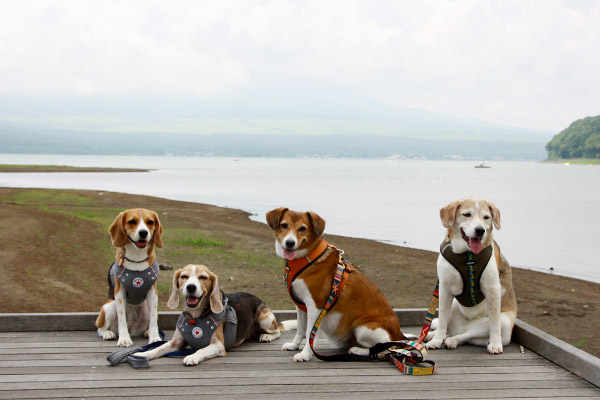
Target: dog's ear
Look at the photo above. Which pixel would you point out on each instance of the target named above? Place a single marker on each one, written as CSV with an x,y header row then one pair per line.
x,y
117,231
495,214
157,231
173,301
274,216
448,214
318,223
216,300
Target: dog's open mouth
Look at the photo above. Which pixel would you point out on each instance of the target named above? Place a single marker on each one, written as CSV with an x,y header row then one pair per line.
x,y
473,243
289,254
141,243
192,301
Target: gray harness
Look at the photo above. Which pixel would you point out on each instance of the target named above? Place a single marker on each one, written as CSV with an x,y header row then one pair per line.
x,y
197,332
136,283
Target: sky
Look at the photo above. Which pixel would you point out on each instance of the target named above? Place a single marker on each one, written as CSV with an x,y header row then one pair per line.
x,y
525,63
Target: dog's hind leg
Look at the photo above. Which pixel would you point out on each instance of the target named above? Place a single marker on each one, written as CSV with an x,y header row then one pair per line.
x,y
368,338
476,330
106,319
268,323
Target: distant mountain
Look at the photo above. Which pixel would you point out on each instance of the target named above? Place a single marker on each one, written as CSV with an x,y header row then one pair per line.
x,y
580,140
284,122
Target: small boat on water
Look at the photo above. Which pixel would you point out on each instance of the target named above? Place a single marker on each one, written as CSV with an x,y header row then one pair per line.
x,y
482,165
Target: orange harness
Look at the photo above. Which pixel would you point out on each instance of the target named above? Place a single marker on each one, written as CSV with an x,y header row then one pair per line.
x,y
293,268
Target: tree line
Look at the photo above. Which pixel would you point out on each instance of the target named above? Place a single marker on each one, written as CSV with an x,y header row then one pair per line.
x,y
580,140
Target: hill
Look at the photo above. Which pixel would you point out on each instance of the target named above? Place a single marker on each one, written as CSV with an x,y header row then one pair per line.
x,y
580,140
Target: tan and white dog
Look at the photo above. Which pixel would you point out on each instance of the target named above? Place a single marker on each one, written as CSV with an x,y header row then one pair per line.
x,y
361,317
477,300
134,310
203,299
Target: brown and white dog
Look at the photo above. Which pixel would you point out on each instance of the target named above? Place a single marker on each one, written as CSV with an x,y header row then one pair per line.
x,y
361,317
200,288
466,315
134,233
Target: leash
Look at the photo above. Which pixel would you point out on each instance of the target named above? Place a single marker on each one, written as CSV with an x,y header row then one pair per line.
x,y
406,355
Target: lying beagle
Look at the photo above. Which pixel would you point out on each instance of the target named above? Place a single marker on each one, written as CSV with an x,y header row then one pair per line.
x,y
133,297
477,300
361,317
207,323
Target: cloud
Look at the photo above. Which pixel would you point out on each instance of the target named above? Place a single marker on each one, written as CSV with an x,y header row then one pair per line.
x,y
528,63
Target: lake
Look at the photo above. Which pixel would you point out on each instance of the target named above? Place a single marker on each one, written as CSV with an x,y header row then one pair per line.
x,y
550,212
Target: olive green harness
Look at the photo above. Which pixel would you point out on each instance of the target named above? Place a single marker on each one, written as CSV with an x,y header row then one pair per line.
x,y
471,267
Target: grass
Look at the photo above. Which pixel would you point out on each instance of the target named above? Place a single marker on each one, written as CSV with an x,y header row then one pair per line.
x,y
61,168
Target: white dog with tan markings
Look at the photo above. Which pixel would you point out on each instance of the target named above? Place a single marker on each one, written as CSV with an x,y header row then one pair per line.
x,y
477,300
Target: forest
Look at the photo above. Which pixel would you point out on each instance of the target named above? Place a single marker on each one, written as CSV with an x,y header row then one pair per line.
x,y
580,140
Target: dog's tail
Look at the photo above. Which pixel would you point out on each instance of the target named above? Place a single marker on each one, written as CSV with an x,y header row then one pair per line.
x,y
288,325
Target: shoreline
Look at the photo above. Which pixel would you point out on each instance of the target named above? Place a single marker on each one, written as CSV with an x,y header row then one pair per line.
x,y
240,251
10,168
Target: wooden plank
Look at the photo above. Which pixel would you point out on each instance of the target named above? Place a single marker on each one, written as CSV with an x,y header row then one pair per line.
x,y
302,391
571,358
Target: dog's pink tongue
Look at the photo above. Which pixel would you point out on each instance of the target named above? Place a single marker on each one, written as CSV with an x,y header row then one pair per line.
x,y
289,254
475,245
141,243
192,301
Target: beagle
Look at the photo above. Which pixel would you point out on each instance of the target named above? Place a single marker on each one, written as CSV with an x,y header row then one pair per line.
x,y
133,297
208,322
477,299
361,317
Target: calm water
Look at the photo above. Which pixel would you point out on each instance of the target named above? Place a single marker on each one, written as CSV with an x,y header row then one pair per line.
x,y
550,212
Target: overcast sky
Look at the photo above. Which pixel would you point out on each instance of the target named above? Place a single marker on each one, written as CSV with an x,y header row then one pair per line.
x,y
533,64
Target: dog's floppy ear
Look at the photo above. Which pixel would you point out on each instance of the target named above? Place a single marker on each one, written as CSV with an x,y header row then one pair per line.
x,y
448,214
318,223
216,301
274,216
173,301
495,214
158,231
117,231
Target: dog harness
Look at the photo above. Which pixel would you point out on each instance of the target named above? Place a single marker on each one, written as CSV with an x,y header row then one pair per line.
x,y
471,267
293,268
136,283
197,332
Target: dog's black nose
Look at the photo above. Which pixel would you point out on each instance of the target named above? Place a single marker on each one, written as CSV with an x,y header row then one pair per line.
x,y
143,233
479,231
290,243
191,288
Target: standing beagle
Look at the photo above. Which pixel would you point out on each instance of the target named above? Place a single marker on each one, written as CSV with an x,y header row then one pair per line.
x,y
132,308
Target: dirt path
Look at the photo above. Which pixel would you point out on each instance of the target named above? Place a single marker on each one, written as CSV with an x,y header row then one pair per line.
x,y
55,252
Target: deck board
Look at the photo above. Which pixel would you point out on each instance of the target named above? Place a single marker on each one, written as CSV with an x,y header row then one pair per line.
x,y
72,364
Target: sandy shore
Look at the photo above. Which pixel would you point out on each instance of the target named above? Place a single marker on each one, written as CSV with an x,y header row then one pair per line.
x,y
56,251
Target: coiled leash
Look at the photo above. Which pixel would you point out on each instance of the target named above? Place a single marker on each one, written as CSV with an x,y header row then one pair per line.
x,y
406,355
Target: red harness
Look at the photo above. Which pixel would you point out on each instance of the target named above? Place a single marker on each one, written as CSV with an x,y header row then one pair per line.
x,y
294,267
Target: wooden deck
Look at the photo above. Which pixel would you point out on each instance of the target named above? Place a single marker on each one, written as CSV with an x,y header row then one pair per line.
x,y
66,363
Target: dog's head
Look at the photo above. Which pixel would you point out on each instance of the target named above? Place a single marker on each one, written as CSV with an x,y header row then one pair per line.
x,y
138,226
296,233
200,288
473,219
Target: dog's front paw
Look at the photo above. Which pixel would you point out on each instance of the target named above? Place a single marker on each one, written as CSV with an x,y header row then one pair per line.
x,y
495,348
302,356
125,341
435,344
268,337
451,343
289,346
192,359
108,335
154,338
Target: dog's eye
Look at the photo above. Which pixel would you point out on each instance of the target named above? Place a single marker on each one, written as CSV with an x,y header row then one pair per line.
x,y
302,229
466,215
284,226
183,277
486,217
201,277
150,222
131,222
